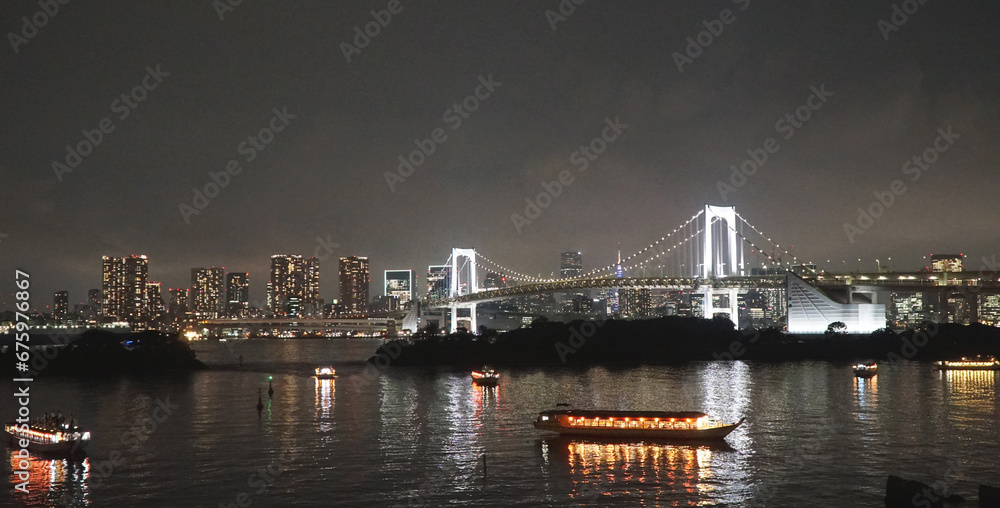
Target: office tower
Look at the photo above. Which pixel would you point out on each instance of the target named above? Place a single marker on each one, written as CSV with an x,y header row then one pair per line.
x,y
154,299
571,265
946,262
399,283
208,292
354,281
179,301
60,304
237,294
438,281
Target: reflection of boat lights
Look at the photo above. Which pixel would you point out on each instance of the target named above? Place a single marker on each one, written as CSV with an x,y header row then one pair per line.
x,y
683,465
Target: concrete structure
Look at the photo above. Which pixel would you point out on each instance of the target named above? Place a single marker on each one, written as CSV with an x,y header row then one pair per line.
x,y
811,311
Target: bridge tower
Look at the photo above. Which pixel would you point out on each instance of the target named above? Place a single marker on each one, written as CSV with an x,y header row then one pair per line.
x,y
720,264
718,261
455,289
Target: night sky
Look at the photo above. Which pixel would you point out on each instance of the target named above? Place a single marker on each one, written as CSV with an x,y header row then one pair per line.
x,y
324,175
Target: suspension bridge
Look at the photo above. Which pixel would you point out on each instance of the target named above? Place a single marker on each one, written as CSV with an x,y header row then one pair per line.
x,y
716,253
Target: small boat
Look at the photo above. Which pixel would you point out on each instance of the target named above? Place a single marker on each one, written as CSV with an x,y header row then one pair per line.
x,y
486,377
866,369
325,373
635,424
52,435
977,363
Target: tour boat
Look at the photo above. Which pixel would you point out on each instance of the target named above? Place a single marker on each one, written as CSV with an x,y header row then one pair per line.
x,y
977,363
486,377
866,369
325,373
53,435
635,424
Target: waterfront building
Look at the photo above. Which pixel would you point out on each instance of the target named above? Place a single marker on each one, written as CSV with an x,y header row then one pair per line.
x,y
810,311
154,299
907,310
293,276
208,298
95,300
438,281
354,281
178,305
237,294
60,304
399,283
124,288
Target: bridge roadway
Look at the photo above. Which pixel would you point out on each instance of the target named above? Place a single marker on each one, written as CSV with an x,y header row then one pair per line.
x,y
386,323
979,282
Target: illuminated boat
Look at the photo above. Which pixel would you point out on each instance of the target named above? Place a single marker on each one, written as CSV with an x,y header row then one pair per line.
x,y
866,369
325,373
977,363
54,436
486,377
635,424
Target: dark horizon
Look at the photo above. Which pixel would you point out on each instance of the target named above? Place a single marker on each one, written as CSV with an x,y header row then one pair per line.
x,y
544,86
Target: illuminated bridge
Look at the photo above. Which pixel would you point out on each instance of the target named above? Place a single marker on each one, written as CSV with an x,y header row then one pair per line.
x,y
719,255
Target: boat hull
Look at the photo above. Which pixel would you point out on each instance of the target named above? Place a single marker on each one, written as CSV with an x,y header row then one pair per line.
x,y
988,367
60,448
668,434
485,381
865,373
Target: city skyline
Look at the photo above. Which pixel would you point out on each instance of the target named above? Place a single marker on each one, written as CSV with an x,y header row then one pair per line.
x,y
255,294
909,105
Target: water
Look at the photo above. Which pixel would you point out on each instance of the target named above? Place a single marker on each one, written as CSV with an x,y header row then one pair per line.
x,y
815,436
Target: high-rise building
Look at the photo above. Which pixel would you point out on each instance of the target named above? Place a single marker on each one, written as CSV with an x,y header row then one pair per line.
x,y
124,288
113,287
237,294
154,298
178,301
281,284
571,265
60,304
136,276
95,300
208,297
354,280
946,262
294,280
308,292
438,281
399,283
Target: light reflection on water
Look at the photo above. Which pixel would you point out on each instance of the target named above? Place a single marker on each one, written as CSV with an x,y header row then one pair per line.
x,y
420,436
53,481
